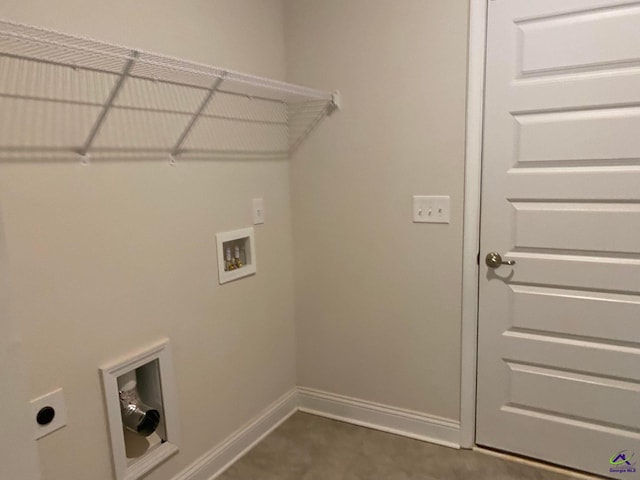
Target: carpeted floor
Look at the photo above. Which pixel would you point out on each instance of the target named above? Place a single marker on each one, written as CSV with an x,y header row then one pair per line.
x,y
308,447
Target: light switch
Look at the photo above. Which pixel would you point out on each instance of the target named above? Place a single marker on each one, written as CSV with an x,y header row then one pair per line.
x,y
49,413
431,209
258,211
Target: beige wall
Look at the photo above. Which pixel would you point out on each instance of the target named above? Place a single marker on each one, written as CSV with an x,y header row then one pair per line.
x,y
378,297
110,257
18,455
107,258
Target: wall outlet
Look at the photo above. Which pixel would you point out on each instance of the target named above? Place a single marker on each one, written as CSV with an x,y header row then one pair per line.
x,y
431,209
49,413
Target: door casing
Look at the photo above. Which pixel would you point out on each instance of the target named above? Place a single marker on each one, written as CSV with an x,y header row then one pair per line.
x,y
477,38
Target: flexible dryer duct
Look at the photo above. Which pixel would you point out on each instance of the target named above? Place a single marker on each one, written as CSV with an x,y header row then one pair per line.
x,y
136,415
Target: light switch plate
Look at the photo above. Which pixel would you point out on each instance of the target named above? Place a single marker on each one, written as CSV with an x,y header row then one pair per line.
x,y
258,211
431,209
54,400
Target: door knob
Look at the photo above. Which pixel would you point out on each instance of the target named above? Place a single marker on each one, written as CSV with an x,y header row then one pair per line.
x,y
494,260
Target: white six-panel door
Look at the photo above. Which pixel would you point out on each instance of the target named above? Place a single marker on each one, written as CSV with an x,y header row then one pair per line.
x,y
559,331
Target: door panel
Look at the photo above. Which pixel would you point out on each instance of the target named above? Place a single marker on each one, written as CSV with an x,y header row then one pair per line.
x,y
575,312
559,331
606,133
571,354
578,226
599,38
571,270
530,385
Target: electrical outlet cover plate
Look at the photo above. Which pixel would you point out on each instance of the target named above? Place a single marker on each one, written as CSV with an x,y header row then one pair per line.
x,y
54,400
431,209
258,211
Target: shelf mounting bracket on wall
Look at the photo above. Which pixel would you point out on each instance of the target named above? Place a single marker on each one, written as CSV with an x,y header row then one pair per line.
x,y
205,102
336,102
107,105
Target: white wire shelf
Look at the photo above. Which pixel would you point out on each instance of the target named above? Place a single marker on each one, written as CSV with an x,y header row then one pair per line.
x,y
62,94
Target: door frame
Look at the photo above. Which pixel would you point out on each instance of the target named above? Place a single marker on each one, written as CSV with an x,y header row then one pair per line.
x,y
477,43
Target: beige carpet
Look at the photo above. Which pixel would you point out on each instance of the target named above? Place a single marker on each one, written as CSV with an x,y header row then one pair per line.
x,y
307,447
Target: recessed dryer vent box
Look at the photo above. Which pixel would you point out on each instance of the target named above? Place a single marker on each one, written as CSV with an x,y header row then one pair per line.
x,y
236,254
140,396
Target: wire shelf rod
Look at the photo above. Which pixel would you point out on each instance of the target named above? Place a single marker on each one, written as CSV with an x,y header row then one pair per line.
x,y
70,154
242,120
272,85
200,87
252,97
54,63
184,112
138,109
115,150
279,86
220,90
65,46
295,108
309,129
51,100
79,43
74,66
191,151
206,71
27,149
306,107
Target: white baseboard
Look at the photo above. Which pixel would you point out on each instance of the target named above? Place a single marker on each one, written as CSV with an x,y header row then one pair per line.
x,y
222,456
428,428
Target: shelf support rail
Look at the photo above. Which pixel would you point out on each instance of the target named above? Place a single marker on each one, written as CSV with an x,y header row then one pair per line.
x,y
107,105
205,102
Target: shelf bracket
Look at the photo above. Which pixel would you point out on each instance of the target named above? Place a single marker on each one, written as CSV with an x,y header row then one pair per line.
x,y
107,105
185,133
335,103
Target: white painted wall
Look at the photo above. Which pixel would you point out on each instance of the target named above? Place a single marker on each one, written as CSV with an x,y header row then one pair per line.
x,y
378,297
18,455
108,258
